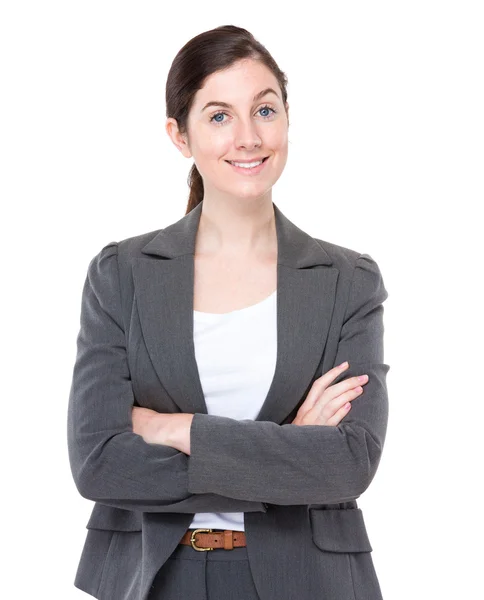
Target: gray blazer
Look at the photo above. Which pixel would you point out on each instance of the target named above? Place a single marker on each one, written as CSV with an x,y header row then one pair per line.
x,y
306,537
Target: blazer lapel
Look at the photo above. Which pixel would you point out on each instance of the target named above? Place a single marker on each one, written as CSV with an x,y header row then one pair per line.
x,y
164,291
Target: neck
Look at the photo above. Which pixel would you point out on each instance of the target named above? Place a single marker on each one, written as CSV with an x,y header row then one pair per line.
x,y
237,229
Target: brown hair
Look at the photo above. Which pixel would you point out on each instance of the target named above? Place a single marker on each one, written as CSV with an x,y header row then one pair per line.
x,y
201,56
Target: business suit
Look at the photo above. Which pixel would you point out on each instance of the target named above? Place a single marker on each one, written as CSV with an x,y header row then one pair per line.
x,y
306,536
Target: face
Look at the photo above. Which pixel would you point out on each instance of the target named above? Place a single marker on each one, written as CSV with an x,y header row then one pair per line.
x,y
246,128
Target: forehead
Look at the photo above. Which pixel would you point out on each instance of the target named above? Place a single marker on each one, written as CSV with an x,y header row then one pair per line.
x,y
242,82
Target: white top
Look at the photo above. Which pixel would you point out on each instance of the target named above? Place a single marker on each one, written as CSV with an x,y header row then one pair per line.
x,y
236,356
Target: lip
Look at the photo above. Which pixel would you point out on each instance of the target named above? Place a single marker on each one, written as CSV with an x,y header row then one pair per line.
x,y
249,160
250,172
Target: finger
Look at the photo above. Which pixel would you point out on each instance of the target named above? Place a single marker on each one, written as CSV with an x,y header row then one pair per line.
x,y
337,404
339,415
327,378
348,396
331,375
346,385
320,384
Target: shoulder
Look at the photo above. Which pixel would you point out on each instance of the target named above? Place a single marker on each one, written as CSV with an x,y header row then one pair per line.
x,y
347,259
127,248
130,247
358,268
113,261
342,257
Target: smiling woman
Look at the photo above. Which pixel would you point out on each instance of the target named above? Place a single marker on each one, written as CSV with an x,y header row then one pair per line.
x,y
235,76
208,418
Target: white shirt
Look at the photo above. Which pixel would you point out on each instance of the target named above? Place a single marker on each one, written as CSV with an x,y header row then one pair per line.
x,y
236,355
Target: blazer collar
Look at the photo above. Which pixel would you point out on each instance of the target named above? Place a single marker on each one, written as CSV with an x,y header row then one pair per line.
x,y
296,248
164,291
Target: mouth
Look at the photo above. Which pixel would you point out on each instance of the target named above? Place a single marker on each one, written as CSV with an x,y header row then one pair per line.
x,y
249,170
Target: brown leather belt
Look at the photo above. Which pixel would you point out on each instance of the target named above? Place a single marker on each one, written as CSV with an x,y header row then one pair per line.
x,y
207,539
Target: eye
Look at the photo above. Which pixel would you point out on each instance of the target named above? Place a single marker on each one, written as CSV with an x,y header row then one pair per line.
x,y
221,112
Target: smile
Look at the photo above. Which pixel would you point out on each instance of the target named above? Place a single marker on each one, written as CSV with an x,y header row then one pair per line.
x,y
249,170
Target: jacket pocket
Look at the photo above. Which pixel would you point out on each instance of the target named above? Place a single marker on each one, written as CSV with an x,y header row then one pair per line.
x,y
110,563
342,530
114,519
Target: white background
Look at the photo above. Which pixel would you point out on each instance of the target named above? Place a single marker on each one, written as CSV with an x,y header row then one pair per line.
x,y
386,157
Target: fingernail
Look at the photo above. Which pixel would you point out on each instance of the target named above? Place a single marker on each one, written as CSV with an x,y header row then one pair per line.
x,y
344,364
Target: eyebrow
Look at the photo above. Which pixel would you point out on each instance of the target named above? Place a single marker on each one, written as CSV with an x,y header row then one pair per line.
x,y
226,105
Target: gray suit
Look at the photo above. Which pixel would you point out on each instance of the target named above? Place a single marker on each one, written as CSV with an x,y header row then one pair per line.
x,y
306,537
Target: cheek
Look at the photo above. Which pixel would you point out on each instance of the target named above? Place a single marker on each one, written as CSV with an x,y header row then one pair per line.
x,y
280,139
214,148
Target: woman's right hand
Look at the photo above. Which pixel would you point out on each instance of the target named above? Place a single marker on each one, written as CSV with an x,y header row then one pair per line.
x,y
327,404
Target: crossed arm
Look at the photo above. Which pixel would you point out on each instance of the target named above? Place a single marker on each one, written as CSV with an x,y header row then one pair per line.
x,y
253,462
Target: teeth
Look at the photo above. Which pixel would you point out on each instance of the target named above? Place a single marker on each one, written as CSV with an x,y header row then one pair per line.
x,y
246,165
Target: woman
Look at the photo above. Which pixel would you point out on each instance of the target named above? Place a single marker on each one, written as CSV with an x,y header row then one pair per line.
x,y
229,402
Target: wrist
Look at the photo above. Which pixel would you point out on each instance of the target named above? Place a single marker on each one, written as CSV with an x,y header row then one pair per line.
x,y
164,426
177,432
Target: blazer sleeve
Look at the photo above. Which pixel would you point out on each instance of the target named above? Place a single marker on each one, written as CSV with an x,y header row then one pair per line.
x,y
292,464
110,463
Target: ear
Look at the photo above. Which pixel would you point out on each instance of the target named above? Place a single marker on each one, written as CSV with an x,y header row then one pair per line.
x,y
180,140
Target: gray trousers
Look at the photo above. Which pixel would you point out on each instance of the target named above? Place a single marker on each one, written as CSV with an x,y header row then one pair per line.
x,y
210,575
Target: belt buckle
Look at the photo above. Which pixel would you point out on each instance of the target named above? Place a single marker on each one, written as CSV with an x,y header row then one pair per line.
x,y
192,539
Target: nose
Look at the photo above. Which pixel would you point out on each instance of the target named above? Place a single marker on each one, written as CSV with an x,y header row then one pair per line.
x,y
247,135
